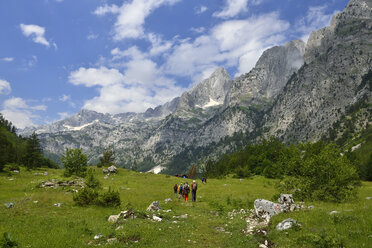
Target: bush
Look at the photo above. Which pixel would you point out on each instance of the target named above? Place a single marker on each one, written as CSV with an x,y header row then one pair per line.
x,y
75,162
7,242
324,175
109,199
91,181
85,197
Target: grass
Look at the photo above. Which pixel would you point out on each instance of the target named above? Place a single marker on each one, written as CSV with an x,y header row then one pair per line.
x,y
44,225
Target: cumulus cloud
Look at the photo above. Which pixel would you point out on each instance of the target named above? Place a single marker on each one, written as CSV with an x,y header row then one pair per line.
x,y
8,59
201,9
64,98
131,16
36,33
232,8
139,86
198,30
4,87
229,44
315,19
20,113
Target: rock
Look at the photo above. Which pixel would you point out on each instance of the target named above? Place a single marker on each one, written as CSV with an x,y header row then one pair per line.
x,y
183,216
9,205
119,227
105,177
16,171
58,204
11,179
167,211
156,218
266,209
113,218
220,229
334,212
45,174
167,200
286,199
105,171
368,198
286,224
35,202
111,240
154,206
310,207
112,169
98,236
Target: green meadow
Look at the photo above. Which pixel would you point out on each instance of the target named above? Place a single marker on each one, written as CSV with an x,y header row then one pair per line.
x,y
42,224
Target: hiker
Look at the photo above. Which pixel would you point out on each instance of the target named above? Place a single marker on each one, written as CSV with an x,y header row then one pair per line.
x,y
194,187
186,191
180,191
175,188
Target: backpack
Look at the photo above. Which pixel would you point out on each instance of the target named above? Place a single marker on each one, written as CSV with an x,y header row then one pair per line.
x,y
194,186
180,189
187,189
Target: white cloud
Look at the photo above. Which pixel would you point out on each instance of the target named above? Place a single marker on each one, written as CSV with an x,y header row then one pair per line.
x,y
140,85
20,113
229,44
198,30
95,77
105,9
232,8
92,36
315,19
63,115
64,98
201,9
4,87
8,59
131,16
158,45
36,33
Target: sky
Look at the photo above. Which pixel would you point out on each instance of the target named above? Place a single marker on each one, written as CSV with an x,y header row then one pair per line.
x,y
113,56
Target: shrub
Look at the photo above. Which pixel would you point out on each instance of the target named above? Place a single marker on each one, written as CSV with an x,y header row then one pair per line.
x,y
86,196
91,181
7,242
75,162
109,199
324,175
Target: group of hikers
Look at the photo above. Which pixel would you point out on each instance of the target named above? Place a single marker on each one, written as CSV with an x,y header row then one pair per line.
x,y
183,190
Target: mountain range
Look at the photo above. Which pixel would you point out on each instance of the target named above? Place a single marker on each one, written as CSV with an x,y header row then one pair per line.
x,y
296,92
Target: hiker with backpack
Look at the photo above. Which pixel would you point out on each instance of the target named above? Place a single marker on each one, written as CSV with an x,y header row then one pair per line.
x,y
194,187
186,191
180,191
175,188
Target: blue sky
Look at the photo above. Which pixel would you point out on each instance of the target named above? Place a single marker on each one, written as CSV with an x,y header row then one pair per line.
x,y
113,56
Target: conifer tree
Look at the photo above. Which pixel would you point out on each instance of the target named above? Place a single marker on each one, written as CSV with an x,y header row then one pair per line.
x,y
33,154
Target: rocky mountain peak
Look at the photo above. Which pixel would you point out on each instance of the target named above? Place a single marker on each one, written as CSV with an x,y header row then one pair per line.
x,y
210,92
269,76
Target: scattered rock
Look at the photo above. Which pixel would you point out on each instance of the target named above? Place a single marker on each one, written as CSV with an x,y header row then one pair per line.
x,y
154,206
45,173
119,227
105,171
310,207
266,209
54,183
266,244
9,205
16,171
113,218
112,169
156,218
368,198
286,224
98,236
334,212
35,202
356,147
105,177
220,229
167,211
183,216
111,240
286,199
58,204
167,200
11,179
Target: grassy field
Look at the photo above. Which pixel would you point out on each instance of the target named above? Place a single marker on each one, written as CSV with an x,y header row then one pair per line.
x,y
42,224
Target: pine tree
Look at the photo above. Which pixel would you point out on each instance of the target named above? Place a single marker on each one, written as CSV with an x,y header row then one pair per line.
x,y
108,158
192,172
33,155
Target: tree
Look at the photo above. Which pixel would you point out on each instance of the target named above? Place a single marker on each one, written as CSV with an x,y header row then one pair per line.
x,y
33,154
75,162
192,172
108,158
6,151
